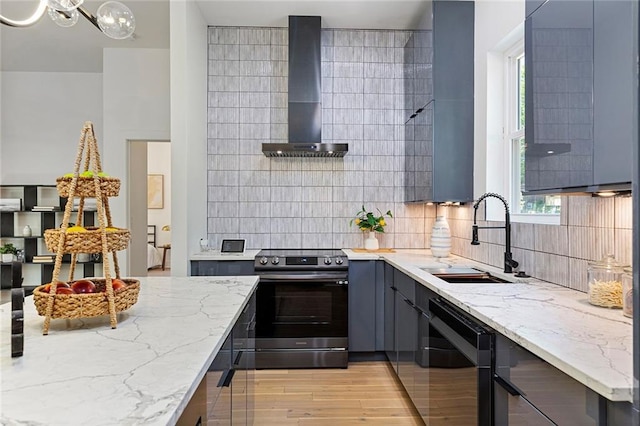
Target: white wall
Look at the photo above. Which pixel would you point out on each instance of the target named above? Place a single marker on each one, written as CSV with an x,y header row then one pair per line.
x,y
188,132
136,107
495,23
159,162
42,117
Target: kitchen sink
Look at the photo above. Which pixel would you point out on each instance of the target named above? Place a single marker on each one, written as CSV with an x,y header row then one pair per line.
x,y
465,276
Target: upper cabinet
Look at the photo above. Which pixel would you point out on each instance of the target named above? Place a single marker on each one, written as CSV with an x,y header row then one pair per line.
x,y
438,73
579,96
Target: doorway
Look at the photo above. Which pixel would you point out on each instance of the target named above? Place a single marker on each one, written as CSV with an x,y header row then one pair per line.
x,y
149,197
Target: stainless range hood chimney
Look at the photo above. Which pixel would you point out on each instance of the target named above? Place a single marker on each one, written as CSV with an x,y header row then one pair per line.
x,y
305,95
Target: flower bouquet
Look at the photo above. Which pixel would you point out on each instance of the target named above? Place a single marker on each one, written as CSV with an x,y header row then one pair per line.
x,y
367,221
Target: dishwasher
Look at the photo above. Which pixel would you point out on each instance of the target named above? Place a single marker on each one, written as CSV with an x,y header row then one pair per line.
x,y
461,384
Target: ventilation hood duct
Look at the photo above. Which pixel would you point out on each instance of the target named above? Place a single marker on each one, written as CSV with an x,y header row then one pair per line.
x,y
305,95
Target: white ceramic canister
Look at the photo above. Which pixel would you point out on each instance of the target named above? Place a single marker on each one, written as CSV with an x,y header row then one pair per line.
x,y
26,231
440,238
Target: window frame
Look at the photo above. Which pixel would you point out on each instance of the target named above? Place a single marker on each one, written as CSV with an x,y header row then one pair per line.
x,y
511,136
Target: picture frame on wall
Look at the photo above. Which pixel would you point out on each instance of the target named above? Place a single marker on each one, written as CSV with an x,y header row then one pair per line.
x,y
155,191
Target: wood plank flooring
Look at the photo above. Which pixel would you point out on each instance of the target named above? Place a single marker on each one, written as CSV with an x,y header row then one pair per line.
x,y
366,392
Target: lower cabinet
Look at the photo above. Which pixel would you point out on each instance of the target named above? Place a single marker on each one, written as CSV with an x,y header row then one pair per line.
x,y
390,317
229,384
222,267
530,391
406,339
527,390
366,306
402,353
362,306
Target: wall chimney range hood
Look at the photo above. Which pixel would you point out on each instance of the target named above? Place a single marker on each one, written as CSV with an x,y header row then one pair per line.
x,y
305,95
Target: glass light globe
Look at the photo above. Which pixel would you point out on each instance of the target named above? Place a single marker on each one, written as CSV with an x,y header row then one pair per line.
x,y
60,19
116,20
65,5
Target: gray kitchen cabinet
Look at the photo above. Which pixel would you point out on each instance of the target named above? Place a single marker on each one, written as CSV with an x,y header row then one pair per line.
x,y
420,396
406,339
362,306
390,317
406,329
222,267
580,61
529,390
438,73
366,306
614,72
532,5
243,363
230,378
558,95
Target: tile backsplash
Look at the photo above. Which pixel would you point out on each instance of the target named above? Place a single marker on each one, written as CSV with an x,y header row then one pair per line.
x,y
307,202
590,228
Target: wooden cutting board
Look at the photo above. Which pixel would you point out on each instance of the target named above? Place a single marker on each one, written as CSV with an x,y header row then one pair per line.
x,y
381,250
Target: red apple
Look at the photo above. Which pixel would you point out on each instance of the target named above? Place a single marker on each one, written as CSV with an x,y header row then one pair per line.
x,y
64,290
83,286
47,287
117,284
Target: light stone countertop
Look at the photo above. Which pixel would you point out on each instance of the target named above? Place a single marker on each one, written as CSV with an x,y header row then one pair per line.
x,y
591,344
143,372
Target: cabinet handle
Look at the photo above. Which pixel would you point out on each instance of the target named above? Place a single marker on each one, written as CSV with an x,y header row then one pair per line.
x,y
509,387
418,309
225,379
394,288
237,360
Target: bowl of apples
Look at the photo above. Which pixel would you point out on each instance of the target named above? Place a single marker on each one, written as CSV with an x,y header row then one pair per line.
x,y
86,185
86,297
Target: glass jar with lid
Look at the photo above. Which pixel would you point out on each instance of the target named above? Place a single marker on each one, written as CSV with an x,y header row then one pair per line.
x,y
605,282
627,292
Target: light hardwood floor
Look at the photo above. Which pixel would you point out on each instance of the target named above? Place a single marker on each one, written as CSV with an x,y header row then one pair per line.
x,y
366,392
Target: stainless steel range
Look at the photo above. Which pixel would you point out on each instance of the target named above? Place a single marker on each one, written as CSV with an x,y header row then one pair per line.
x,y
302,309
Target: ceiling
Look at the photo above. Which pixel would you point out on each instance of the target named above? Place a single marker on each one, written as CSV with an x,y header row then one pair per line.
x,y
45,47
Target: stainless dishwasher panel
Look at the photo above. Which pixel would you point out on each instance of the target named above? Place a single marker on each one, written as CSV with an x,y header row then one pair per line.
x,y
460,373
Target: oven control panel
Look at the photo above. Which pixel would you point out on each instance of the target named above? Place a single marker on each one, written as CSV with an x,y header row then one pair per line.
x,y
297,261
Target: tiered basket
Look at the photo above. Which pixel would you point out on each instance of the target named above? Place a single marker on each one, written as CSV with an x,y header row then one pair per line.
x,y
104,239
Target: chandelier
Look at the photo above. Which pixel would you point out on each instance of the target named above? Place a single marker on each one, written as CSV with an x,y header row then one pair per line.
x,y
113,18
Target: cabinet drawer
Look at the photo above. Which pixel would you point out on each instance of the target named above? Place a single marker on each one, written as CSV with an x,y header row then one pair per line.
x,y
405,285
222,267
561,398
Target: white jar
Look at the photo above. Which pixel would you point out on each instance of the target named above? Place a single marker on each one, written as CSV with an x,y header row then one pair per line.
x,y
26,231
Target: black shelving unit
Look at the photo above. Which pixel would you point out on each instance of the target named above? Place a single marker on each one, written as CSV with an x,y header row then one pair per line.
x,y
30,198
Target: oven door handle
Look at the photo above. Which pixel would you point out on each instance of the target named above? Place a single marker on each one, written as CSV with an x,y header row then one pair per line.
x,y
318,278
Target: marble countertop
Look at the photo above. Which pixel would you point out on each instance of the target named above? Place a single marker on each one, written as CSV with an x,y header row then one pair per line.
x,y
591,344
143,372
216,255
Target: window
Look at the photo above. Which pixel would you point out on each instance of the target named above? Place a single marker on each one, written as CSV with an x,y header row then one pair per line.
x,y
521,205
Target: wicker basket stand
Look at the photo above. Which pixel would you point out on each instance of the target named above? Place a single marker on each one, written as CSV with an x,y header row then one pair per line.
x,y
87,181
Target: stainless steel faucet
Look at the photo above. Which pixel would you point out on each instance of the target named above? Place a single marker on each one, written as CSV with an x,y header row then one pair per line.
x,y
509,263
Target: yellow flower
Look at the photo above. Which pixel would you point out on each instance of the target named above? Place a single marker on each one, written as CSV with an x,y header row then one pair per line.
x,y
357,221
382,222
